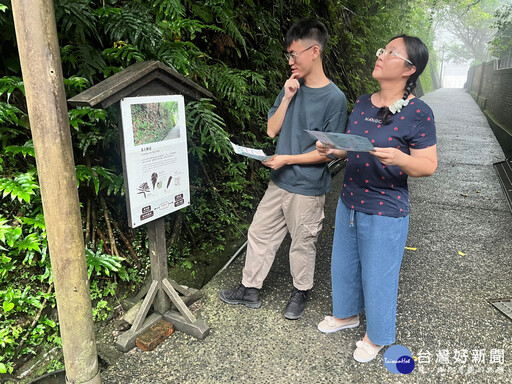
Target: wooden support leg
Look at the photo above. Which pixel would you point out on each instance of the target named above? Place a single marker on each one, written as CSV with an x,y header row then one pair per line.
x,y
158,294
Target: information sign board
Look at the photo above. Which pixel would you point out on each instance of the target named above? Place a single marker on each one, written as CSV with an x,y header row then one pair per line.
x,y
155,156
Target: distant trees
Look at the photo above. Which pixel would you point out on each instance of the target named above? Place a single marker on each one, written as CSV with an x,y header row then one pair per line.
x,y
471,22
501,45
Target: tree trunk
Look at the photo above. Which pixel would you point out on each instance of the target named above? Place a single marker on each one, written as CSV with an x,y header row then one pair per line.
x,y
39,53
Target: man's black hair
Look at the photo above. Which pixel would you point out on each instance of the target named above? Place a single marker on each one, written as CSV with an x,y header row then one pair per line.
x,y
308,29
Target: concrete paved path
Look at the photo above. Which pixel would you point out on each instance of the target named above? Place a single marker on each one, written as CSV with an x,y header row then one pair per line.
x,y
462,231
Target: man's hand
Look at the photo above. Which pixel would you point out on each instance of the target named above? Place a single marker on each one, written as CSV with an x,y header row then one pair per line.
x,y
291,86
276,162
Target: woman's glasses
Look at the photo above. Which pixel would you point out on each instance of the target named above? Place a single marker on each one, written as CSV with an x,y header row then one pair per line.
x,y
381,51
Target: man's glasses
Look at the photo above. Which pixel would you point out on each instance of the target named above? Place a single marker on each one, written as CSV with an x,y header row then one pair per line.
x,y
381,51
293,56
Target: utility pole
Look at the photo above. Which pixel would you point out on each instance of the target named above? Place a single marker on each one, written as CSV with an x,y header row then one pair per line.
x,y
38,46
442,65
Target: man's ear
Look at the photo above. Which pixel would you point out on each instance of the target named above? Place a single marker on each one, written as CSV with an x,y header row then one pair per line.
x,y
316,51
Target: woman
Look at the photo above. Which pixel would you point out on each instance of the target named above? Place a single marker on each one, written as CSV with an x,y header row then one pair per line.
x,y
372,217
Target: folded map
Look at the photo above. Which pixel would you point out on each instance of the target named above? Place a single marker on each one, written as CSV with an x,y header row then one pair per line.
x,y
343,141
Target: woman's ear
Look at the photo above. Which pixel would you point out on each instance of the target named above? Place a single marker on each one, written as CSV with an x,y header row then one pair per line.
x,y
409,71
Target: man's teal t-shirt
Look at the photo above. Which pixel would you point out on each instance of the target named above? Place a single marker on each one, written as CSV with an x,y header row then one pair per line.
x,y
317,109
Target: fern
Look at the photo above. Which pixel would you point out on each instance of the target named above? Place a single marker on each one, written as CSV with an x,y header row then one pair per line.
x,y
77,19
227,19
21,187
228,82
94,115
37,222
202,119
169,9
25,149
30,242
85,122
101,178
12,235
76,84
123,53
100,262
9,84
135,25
176,56
222,11
181,29
4,228
9,114
84,58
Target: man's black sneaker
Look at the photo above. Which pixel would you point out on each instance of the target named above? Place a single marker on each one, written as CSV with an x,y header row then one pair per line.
x,y
296,304
250,297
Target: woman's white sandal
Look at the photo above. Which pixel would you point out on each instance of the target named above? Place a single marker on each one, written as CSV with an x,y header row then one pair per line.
x,y
329,324
366,352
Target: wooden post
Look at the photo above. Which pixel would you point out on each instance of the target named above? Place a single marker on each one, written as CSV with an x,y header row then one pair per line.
x,y
39,53
158,258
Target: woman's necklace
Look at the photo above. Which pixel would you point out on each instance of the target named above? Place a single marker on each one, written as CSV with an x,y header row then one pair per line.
x,y
397,106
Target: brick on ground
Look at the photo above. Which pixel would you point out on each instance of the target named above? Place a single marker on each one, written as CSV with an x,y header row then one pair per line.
x,y
155,335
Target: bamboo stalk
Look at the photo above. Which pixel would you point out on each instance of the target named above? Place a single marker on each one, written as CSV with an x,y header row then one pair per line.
x,y
127,243
94,226
109,226
106,248
88,222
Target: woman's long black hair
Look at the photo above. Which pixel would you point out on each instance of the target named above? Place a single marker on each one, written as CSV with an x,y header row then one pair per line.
x,y
417,52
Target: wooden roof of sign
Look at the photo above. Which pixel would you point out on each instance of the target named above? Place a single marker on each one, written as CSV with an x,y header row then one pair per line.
x,y
145,78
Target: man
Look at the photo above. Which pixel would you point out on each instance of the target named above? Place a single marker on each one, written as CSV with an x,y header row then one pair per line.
x,y
299,178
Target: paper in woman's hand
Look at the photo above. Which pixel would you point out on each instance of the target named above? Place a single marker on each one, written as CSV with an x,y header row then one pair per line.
x,y
257,154
343,141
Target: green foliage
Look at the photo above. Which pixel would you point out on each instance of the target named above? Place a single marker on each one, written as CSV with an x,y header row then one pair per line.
x,y
204,122
8,84
103,179
100,263
501,45
21,186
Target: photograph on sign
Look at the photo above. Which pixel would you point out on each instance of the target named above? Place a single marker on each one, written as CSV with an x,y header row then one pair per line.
x,y
155,155
154,122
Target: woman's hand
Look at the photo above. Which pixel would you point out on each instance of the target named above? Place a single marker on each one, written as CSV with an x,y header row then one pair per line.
x,y
420,163
323,150
389,156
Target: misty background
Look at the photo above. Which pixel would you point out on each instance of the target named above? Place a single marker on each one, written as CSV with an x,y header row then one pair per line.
x,y
470,32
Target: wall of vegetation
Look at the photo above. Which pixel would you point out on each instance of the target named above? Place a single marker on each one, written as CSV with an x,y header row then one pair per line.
x,y
232,48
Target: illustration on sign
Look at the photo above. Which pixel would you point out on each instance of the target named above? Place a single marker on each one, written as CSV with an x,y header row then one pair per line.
x,y
155,147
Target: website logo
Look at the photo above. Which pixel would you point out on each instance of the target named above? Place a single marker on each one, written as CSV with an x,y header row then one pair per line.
x,y
398,359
